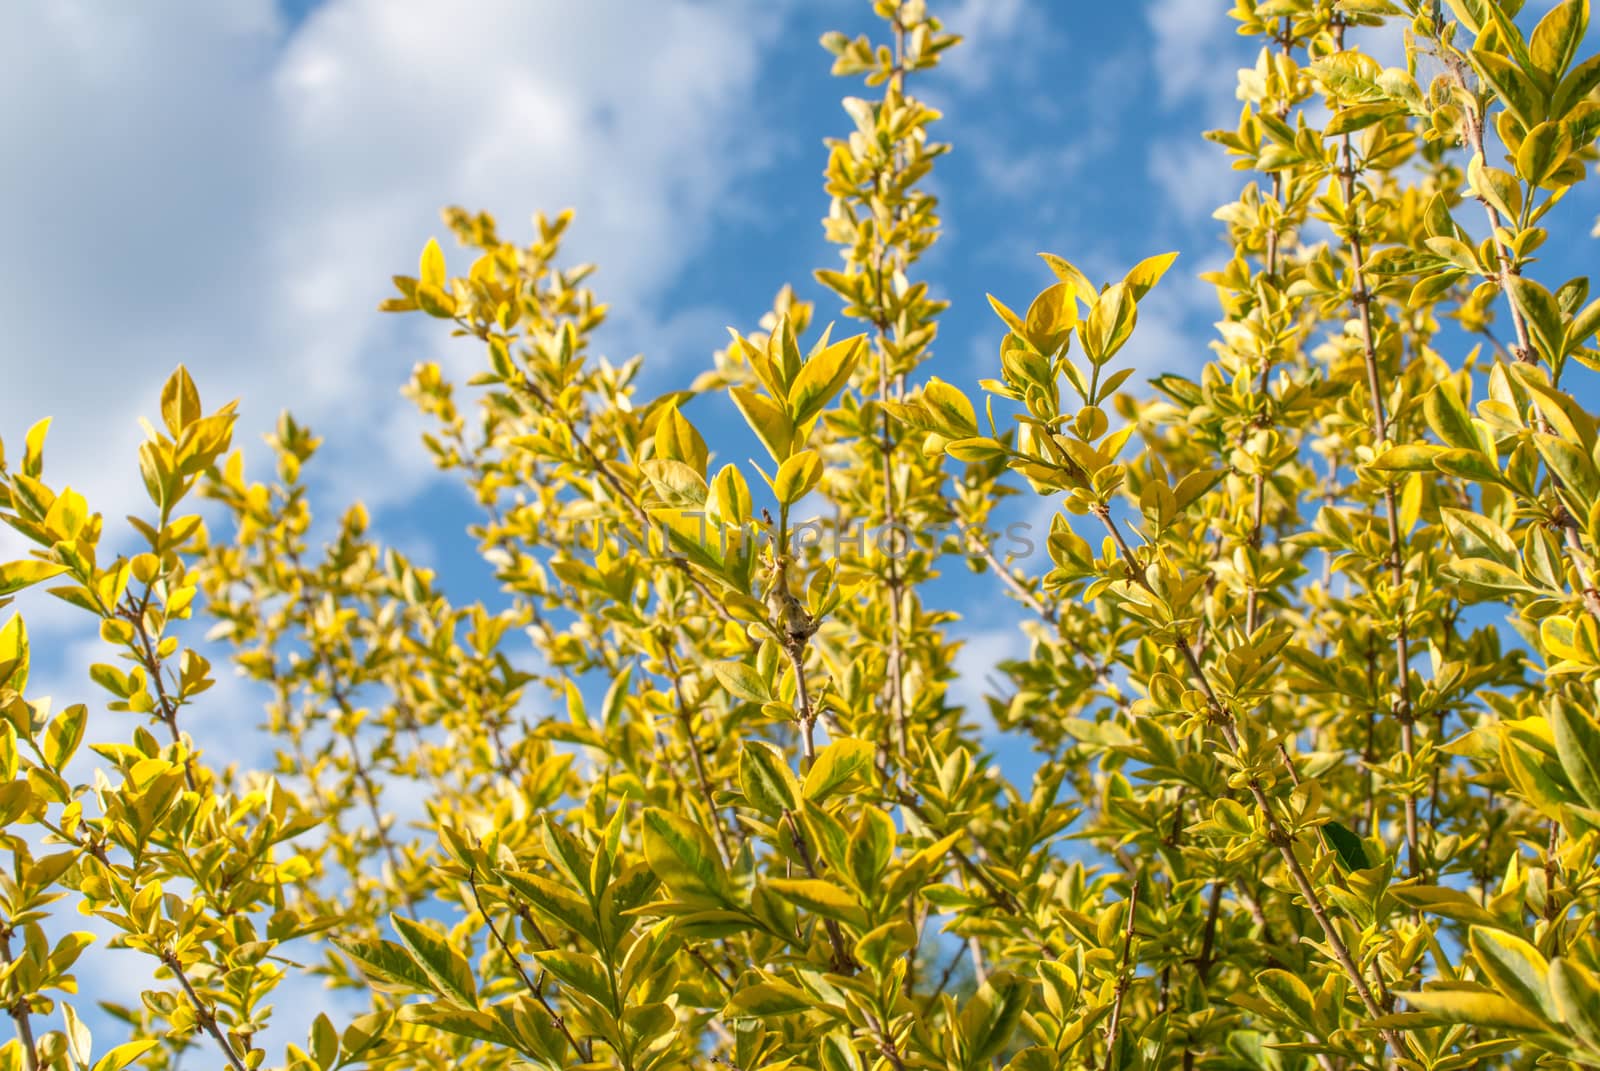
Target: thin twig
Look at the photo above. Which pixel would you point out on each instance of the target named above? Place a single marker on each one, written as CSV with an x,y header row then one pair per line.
x,y
686,723
1362,298
203,1013
535,988
843,962
1123,977
20,1012
1276,834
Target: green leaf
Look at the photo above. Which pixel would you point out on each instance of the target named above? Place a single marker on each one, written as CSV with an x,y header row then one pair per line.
x,y
1543,315
1577,739
1068,273
767,419
1556,39
79,1041
180,402
1573,466
451,976
1489,575
677,439
1002,310
1109,323
682,855
1514,88
1481,1008
770,998
990,1018
1408,457
1289,995
871,847
579,970
65,734
1445,902
1346,846
1468,465
387,965
1496,186
822,376
835,764
1515,967
742,681
797,476
820,898
765,778
1577,999
123,1055
1147,273
731,496
1448,417
1475,536
977,449
1051,318
953,415
463,1022
431,269
14,576
555,901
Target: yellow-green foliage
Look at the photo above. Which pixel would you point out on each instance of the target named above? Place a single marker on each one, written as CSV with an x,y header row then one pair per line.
x,y
1291,811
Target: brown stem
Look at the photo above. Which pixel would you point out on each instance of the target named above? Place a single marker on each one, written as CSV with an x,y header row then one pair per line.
x,y
611,480
341,700
1208,937
1380,433
686,723
203,1013
1123,978
802,702
167,707
891,516
1524,353
1276,834
1047,613
843,962
534,988
369,792
20,1012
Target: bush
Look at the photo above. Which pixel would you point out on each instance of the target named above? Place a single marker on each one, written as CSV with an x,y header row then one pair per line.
x,y
1300,802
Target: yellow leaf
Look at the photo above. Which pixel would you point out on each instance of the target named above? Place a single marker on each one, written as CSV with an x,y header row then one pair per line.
x,y
431,272
797,476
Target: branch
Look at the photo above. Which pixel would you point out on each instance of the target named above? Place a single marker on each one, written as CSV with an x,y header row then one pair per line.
x,y
535,988
843,962
203,1013
1123,978
1277,835
1362,299
686,723
20,1010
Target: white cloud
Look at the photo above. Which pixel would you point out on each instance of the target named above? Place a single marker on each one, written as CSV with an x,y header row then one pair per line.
x,y
985,27
202,183
208,186
1195,177
982,651
1194,54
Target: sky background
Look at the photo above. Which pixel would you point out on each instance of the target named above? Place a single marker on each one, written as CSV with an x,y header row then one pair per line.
x,y
231,184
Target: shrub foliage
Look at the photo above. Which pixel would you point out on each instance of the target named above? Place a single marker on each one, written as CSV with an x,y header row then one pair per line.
x,y
1312,676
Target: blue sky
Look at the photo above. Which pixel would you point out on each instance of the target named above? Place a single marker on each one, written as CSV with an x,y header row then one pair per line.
x,y
231,184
